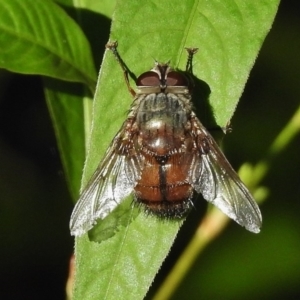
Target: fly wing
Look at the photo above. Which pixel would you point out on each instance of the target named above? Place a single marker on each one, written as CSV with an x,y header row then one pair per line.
x,y
113,180
215,179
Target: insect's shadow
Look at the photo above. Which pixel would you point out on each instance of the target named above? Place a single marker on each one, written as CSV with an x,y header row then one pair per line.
x,y
203,109
200,99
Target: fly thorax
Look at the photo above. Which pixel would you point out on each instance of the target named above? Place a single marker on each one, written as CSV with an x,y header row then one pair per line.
x,y
161,119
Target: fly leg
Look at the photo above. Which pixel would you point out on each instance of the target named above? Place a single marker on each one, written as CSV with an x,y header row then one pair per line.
x,y
113,47
189,67
189,63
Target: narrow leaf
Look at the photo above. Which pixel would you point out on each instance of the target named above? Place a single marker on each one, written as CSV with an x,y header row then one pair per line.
x,y
229,35
65,105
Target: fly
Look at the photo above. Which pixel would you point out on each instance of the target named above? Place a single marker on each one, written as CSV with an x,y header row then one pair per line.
x,y
163,155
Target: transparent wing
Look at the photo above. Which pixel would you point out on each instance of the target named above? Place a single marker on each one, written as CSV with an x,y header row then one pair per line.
x,y
113,180
215,179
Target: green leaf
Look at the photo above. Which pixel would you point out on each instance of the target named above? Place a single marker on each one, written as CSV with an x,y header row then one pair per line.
x,y
114,222
40,38
66,108
120,273
70,104
229,35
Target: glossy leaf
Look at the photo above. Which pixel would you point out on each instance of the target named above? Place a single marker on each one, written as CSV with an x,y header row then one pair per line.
x,y
40,38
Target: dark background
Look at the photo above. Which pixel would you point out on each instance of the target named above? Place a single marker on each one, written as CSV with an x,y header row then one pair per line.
x,y
35,204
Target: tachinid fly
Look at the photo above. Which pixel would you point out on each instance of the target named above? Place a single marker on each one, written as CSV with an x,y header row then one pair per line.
x,y
163,155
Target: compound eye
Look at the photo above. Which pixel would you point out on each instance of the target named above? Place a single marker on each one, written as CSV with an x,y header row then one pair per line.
x,y
148,79
176,79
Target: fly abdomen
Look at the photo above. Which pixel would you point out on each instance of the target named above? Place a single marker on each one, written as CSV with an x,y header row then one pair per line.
x,y
164,187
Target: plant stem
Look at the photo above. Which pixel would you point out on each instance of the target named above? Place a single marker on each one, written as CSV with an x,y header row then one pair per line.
x,y
283,139
209,228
